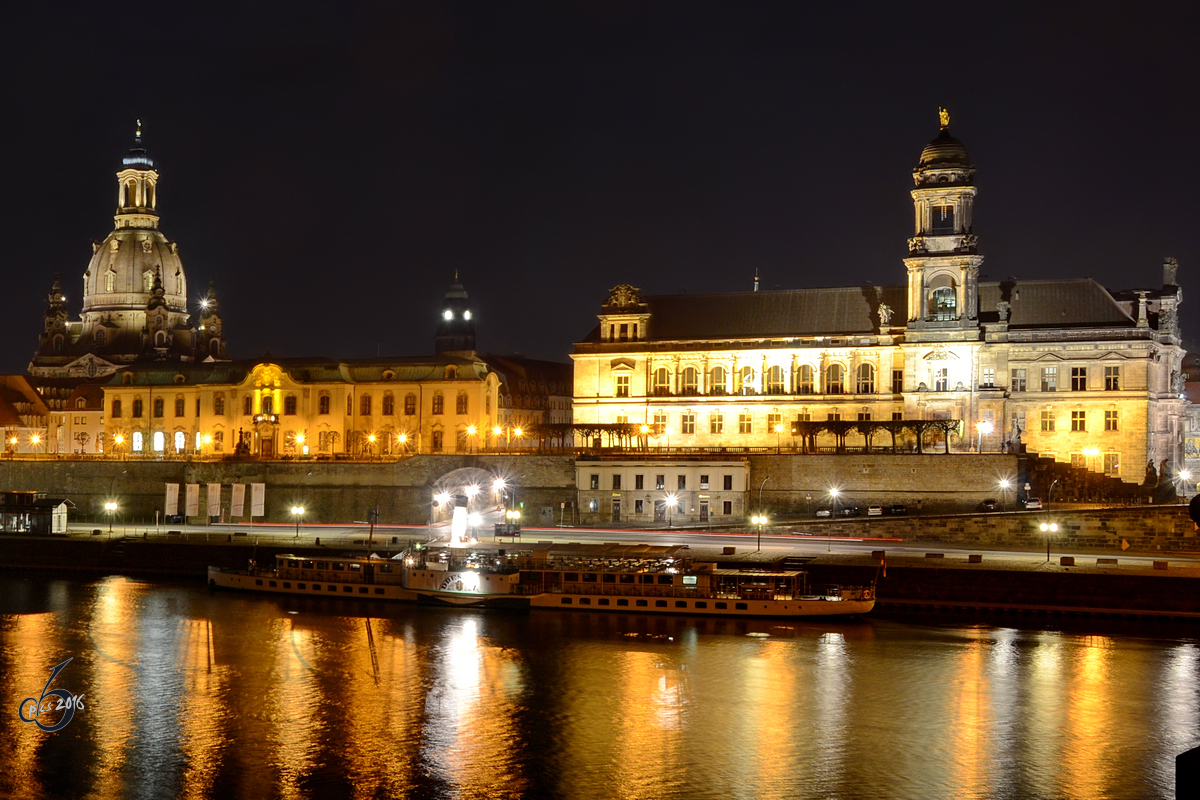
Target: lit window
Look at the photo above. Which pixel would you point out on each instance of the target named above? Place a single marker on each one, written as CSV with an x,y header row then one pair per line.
x,y
1078,379
1018,380
745,424
1049,379
716,422
1112,379
866,379
1048,421
687,422
1078,421
1110,420
622,386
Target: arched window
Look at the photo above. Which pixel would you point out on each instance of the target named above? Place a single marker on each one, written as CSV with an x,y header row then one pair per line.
x,y
130,194
268,404
219,405
101,336
323,404
775,383
804,380
462,404
943,300
158,406
436,442
438,403
138,441
389,404
181,441
866,379
688,380
150,194
179,406
137,407
746,381
835,379
364,405
116,409
160,441
148,280
214,347
110,279
661,382
349,404
717,382
410,404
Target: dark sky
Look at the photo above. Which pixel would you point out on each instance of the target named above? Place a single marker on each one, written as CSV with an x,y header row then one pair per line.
x,y
331,165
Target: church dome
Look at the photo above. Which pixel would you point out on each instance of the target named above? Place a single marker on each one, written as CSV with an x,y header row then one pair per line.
x,y
944,152
122,270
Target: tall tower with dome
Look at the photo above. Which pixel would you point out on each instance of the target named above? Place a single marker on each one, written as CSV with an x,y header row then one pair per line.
x,y
134,293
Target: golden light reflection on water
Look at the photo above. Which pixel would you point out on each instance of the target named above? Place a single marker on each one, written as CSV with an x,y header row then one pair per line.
x,y
199,695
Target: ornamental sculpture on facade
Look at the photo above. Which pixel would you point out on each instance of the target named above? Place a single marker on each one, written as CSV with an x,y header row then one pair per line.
x,y
623,296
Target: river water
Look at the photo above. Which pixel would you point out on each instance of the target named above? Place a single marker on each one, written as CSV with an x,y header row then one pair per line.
x,y
193,694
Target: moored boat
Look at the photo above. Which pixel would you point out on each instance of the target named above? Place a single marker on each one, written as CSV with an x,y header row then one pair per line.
x,y
609,577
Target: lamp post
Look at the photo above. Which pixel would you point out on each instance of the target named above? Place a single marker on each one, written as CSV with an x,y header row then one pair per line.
x,y
645,430
759,520
496,439
297,512
111,508
1049,528
1005,485
985,428
833,496
471,438
672,501
1185,476
778,435
760,488
1049,494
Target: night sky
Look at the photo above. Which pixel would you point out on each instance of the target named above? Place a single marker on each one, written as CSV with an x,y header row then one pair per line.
x,y
331,165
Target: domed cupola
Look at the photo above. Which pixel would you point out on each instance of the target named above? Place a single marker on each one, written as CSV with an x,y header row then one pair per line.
x,y
456,324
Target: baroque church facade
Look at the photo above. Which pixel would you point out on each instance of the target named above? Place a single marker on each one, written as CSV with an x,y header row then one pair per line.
x,y
1066,368
135,294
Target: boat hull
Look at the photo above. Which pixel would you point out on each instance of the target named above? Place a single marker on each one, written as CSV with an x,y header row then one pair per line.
x,y
805,607
268,584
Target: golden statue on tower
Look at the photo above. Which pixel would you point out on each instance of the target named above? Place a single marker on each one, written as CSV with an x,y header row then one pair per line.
x,y
944,116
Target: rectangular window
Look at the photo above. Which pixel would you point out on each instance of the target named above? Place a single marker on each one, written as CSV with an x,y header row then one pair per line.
x,y
745,425
179,407
1078,421
116,409
1049,379
989,377
703,481
942,219
897,416
323,404
1048,421
364,405
158,407
389,405
638,481
289,404
687,422
682,481
439,403
660,423
834,416
716,423
897,381
247,409
864,416
660,481
639,507
616,483
460,403
595,481
774,422
622,386
1112,379
1018,380
1112,464
1078,379
727,482
1110,420
941,379
1079,460
410,405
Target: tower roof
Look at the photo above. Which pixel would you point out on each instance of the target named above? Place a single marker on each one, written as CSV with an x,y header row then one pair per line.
x,y
944,152
137,157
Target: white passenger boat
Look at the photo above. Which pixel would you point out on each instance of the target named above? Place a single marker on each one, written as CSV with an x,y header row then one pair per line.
x,y
610,577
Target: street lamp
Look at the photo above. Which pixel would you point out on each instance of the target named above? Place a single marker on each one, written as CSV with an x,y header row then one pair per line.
x,y
1185,476
1005,485
759,520
645,430
297,512
672,501
833,496
111,508
778,434
985,429
471,440
1049,528
496,438
1050,493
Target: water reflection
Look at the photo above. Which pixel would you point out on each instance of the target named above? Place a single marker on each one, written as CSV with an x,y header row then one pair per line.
x,y
200,696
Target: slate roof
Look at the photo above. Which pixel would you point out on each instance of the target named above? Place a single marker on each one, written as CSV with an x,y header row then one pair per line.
x,y
303,370
852,310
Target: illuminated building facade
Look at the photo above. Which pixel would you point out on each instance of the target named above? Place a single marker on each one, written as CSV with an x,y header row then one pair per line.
x,y
1067,368
135,294
303,407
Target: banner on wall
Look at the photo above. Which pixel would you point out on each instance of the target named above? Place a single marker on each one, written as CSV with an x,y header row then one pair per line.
x,y
192,499
172,499
213,504
258,493
238,501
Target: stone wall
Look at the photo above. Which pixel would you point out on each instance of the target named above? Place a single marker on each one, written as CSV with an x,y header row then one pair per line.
x,y
938,482
330,491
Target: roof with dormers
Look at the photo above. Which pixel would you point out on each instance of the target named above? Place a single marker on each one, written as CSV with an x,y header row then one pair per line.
x,y
851,310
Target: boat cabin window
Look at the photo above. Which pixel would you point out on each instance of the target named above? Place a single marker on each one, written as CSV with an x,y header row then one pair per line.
x,y
570,576
681,603
660,603
585,601
589,577
307,565
566,601
701,604
293,563
722,605
602,601
621,601
640,602
667,579
647,579
356,567
609,577
626,578
740,606
689,580
385,567
322,565
338,566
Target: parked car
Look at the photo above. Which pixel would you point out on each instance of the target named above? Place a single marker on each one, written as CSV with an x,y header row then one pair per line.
x,y
850,511
1033,504
989,505
897,509
823,512
874,511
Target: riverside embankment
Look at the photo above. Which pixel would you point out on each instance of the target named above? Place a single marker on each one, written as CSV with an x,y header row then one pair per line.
x,y
951,581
